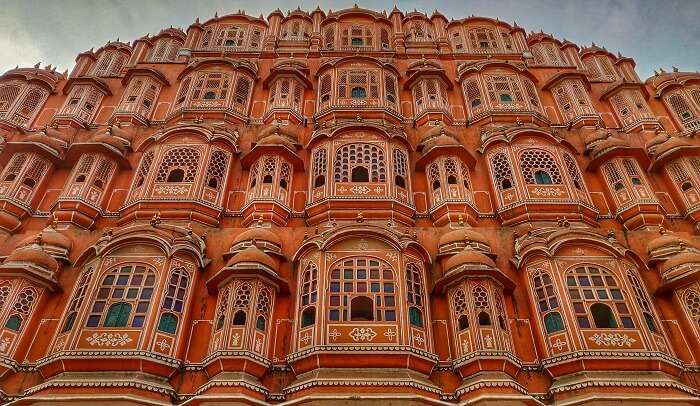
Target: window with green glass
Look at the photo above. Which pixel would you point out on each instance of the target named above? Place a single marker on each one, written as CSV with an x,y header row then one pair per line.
x,y
14,322
167,323
553,323
118,315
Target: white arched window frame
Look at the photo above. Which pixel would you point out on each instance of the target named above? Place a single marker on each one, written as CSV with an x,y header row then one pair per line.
x,y
270,178
206,90
110,63
20,102
430,93
21,178
286,92
630,107
239,37
627,182
685,175
165,50
449,180
82,102
600,68
686,112
572,99
140,96
296,29
90,177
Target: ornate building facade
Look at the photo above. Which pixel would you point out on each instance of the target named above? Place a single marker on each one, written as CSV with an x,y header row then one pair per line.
x,y
353,206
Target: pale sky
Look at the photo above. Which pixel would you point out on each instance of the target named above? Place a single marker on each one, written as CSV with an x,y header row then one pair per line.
x,y
654,33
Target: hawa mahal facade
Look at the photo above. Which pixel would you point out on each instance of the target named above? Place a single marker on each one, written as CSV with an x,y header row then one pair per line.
x,y
353,206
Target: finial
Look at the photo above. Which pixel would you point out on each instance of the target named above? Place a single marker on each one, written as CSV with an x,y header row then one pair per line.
x,y
37,65
675,69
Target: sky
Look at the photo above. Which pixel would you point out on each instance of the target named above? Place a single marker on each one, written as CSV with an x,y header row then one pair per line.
x,y
662,33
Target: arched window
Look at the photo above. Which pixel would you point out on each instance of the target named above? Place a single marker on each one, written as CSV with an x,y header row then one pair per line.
x,y
553,322
165,50
358,93
481,305
241,301
603,316
320,167
221,308
547,302
5,289
179,165
110,63
366,282
460,307
539,167
642,298
472,94
594,293
308,317
573,171
368,157
263,308
22,308
167,323
361,309
500,165
123,289
118,315
8,94
77,299
691,302
144,168
415,299
216,170
175,295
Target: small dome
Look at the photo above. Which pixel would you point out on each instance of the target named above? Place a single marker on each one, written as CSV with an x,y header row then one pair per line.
x,y
681,259
35,255
462,235
596,136
51,237
608,144
115,142
276,139
251,254
666,240
671,143
469,257
659,139
258,234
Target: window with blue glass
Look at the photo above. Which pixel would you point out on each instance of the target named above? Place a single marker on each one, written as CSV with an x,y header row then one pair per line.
x,y
123,297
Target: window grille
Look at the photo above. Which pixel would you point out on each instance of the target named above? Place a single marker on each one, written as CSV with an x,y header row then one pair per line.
x,y
174,300
481,39
362,277
123,297
503,89
242,94
110,63
216,170
642,297
457,41
547,302
329,37
21,309
184,160
320,168
367,156
588,286
28,108
472,93
502,172
414,289
460,309
221,308
5,289
533,161
482,306
680,106
691,301
573,171
8,94
165,50
401,168
76,302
